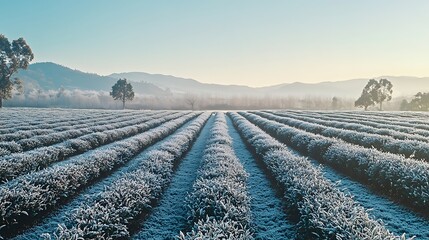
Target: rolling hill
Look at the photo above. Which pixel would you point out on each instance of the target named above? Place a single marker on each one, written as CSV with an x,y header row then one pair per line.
x,y
48,76
53,76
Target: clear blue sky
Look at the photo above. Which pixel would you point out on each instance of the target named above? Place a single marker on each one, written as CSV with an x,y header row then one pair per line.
x,y
249,42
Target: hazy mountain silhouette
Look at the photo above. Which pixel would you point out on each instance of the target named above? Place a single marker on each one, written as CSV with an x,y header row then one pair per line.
x,y
54,76
402,86
347,88
186,85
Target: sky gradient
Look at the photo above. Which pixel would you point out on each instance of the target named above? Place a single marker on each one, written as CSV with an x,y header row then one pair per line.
x,y
255,43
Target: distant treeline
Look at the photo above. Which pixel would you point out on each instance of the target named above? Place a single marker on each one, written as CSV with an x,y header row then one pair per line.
x,y
63,98
420,102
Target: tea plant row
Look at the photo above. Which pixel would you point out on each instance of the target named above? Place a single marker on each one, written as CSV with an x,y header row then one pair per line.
x,y
110,213
56,137
322,211
29,196
64,124
408,148
18,164
219,205
394,131
404,179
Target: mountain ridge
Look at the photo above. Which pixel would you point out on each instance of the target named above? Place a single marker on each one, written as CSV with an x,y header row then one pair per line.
x,y
49,75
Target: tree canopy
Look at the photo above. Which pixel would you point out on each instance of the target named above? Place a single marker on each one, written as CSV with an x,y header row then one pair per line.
x,y
364,100
335,103
122,90
375,92
13,56
191,100
420,102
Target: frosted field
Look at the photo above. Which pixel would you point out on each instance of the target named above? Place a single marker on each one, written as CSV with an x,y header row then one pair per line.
x,y
100,174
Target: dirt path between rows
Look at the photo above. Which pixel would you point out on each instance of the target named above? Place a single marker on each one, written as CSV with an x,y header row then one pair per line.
x,y
169,217
268,216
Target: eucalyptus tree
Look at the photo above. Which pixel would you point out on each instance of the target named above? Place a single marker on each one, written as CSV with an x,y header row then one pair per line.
x,y
13,56
375,92
122,90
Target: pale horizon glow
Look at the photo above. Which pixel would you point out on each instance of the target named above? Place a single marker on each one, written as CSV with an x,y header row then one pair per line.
x,y
254,43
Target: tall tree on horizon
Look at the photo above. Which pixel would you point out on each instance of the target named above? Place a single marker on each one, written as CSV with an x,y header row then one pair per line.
x,y
13,56
191,100
375,92
335,103
364,100
122,90
384,92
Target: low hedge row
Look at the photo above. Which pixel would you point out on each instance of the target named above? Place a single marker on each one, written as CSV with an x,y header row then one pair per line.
x,y
25,198
322,210
404,179
109,213
219,206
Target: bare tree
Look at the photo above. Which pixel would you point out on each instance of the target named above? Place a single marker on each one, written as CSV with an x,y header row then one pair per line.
x,y
191,100
335,103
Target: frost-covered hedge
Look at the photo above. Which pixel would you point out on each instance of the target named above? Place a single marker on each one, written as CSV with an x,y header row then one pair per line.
x,y
381,129
20,163
396,123
219,207
65,124
401,178
56,137
24,120
408,148
110,212
22,134
26,197
323,211
393,119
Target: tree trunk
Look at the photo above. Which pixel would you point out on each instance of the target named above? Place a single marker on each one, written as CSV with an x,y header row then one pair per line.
x,y
1,102
381,106
366,108
124,93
